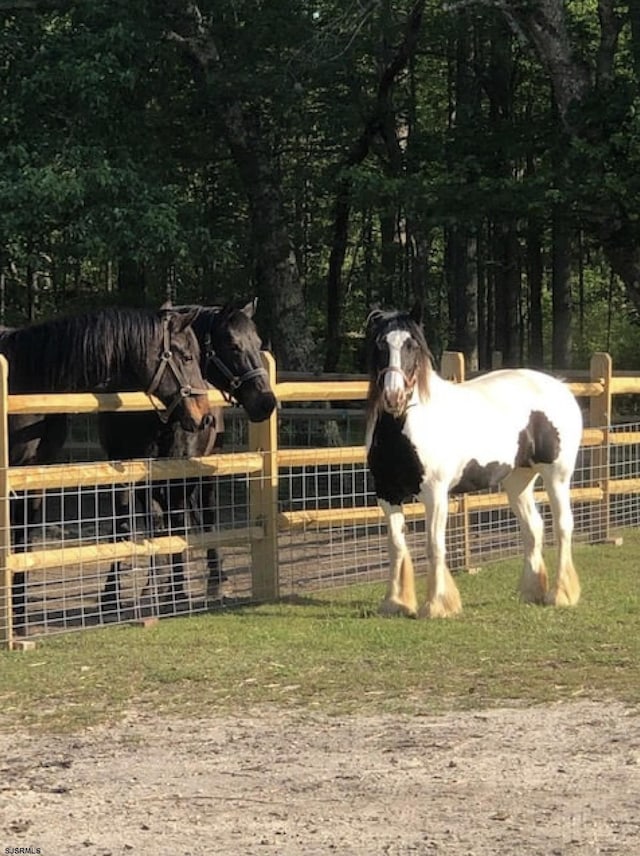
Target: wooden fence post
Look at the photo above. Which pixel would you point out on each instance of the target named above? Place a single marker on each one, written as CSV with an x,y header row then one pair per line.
x,y
600,417
6,576
263,500
452,367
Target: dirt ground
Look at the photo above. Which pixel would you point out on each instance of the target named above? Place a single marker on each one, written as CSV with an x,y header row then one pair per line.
x,y
563,779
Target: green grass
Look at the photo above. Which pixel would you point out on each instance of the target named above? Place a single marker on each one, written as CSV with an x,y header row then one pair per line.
x,y
333,653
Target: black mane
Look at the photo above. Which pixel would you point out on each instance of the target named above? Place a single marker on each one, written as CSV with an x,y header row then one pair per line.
x,y
80,353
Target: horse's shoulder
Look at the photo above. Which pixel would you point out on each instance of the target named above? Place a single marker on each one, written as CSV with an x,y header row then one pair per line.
x,y
394,461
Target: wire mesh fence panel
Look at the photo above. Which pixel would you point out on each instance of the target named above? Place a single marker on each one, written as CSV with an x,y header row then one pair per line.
x,y
178,544
129,550
624,470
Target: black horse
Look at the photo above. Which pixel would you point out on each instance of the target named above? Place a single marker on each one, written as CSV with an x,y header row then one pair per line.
x,y
104,351
231,362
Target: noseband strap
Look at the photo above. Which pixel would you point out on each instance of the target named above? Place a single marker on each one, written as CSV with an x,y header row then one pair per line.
x,y
408,382
167,361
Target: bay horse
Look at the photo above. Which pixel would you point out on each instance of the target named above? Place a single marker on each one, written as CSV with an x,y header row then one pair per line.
x,y
230,362
427,438
103,351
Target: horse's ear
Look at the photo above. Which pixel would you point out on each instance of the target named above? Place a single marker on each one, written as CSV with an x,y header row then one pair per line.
x,y
249,309
182,319
375,314
167,305
416,313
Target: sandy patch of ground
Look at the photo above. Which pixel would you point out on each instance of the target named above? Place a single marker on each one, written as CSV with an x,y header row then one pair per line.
x,y
563,779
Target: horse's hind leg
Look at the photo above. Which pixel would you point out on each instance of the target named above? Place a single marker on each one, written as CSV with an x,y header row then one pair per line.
x,y
519,486
400,598
566,590
109,601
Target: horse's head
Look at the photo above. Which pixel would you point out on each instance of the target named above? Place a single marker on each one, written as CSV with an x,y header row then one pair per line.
x,y
177,378
399,358
231,359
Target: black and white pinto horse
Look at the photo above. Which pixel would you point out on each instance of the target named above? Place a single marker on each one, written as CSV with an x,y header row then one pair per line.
x,y
104,351
428,438
230,362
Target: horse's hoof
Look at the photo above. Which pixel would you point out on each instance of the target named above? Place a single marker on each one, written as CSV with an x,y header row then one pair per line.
x,y
438,609
219,590
560,598
390,607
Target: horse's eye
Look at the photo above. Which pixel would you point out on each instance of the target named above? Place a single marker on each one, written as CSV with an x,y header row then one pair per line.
x,y
185,356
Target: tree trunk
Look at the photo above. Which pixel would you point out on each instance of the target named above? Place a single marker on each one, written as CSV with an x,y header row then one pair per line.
x,y
462,277
561,290
535,270
281,304
544,24
507,293
373,126
131,283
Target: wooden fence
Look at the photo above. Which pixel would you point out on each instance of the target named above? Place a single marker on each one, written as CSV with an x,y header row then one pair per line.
x,y
263,461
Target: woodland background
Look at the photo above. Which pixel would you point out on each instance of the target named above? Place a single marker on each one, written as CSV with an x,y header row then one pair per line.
x,y
482,157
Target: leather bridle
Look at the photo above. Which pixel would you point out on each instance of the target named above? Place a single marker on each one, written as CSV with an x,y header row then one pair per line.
x,y
168,362
235,381
409,383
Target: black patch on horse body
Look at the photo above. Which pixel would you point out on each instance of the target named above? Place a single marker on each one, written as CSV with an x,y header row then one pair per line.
x,y
539,442
394,463
476,476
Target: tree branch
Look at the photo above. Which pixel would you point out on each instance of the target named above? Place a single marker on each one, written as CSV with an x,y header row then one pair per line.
x,y
543,25
610,26
196,38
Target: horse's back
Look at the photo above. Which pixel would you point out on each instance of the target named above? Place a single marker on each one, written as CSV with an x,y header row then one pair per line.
x,y
471,435
519,393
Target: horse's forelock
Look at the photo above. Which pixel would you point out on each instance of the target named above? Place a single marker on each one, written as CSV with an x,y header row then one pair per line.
x,y
379,324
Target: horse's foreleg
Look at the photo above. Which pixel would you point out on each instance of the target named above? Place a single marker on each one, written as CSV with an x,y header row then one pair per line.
x,y
122,510
519,486
566,590
204,508
443,597
109,601
24,510
400,598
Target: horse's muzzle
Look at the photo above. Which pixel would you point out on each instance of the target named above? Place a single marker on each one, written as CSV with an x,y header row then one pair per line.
x,y
394,402
259,407
195,413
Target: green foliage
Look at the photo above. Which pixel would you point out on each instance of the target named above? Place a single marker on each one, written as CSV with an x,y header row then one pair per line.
x,y
112,147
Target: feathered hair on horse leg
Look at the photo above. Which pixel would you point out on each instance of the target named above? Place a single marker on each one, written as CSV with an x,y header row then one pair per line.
x,y
443,597
401,594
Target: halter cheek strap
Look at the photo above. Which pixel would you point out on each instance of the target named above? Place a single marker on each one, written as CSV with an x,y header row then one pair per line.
x,y
167,361
235,381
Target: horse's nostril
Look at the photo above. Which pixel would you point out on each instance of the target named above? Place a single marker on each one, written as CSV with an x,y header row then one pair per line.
x,y
207,421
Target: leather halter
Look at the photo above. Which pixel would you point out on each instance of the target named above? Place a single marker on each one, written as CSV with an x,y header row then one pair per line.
x,y
167,361
235,381
408,382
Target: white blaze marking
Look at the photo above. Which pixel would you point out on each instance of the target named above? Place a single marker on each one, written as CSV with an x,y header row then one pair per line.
x,y
394,381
